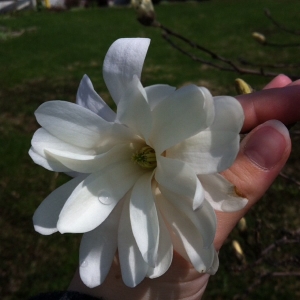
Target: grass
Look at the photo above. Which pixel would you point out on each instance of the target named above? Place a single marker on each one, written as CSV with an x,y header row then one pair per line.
x,y
46,59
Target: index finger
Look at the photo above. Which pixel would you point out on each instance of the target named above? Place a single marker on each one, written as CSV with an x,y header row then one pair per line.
x,y
281,104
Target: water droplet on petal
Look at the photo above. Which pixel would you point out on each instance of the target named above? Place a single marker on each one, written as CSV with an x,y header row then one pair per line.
x,y
84,264
105,198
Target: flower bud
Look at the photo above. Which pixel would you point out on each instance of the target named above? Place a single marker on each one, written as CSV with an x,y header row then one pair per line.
x,y
145,11
242,225
259,37
242,87
238,250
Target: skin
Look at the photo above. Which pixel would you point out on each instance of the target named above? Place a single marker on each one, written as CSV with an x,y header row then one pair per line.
x,y
252,173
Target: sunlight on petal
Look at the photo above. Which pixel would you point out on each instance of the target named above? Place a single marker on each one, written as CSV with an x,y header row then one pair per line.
x,y
124,59
133,266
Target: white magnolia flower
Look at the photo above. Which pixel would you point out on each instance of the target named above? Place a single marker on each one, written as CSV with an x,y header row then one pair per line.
x,y
146,179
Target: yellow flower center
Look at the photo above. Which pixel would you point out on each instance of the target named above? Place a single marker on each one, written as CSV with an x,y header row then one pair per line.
x,y
145,158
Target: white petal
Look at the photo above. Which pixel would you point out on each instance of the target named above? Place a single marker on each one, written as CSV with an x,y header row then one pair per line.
x,y
144,219
46,216
165,251
183,114
215,265
41,140
88,98
79,126
188,235
94,199
179,178
221,194
124,59
97,250
203,218
133,109
133,266
157,93
214,149
48,163
91,163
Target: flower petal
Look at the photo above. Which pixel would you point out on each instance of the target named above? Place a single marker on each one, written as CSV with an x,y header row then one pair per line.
x,y
215,265
133,266
221,194
187,235
214,149
157,93
94,199
91,163
144,219
164,253
183,114
133,109
41,140
79,126
88,98
98,248
48,163
124,59
179,178
203,218
46,216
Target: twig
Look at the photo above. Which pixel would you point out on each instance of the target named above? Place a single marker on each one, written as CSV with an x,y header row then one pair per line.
x,y
228,64
280,26
289,178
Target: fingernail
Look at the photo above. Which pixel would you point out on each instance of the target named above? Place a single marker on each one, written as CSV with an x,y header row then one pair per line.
x,y
267,144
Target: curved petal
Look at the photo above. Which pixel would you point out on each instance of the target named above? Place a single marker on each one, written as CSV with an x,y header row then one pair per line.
x,y
164,253
47,162
221,194
203,218
179,178
133,109
187,235
124,58
46,216
98,248
88,98
79,126
185,113
94,199
215,265
214,149
133,266
92,163
41,140
144,219
157,93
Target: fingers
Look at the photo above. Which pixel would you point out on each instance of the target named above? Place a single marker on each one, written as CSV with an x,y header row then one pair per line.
x,y
282,104
262,155
278,82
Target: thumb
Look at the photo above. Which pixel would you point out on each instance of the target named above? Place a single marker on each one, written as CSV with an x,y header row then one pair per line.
x,y
262,155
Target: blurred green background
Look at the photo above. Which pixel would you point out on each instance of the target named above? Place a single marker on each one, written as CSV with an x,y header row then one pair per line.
x,y
43,56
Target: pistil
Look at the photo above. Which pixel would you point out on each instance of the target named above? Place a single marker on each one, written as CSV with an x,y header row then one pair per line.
x,y
145,158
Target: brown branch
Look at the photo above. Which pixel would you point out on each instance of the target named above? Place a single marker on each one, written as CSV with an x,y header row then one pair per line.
x,y
283,175
280,26
273,66
228,65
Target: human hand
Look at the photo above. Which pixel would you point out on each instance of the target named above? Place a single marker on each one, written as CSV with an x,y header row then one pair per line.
x,y
262,155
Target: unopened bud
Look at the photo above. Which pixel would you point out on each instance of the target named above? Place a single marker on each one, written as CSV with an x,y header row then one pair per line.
x,y
242,87
259,37
145,11
238,250
242,225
